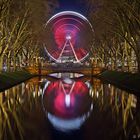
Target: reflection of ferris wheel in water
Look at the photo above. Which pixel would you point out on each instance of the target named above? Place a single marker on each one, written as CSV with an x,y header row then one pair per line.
x,y
68,37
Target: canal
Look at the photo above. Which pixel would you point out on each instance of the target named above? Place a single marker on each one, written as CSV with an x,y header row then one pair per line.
x,y
68,106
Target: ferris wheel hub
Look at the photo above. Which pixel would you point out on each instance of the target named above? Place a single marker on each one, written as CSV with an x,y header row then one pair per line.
x,y
68,37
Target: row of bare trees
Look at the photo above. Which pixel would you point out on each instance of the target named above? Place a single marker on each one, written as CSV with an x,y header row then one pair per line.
x,y
116,24
15,34
21,23
117,33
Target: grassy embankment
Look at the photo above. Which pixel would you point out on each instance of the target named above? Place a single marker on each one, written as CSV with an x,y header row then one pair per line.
x,y
124,80
10,79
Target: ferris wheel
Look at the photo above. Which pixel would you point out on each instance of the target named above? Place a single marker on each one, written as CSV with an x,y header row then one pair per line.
x,y
68,37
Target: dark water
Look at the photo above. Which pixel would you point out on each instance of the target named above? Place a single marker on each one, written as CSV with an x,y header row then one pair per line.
x,y
64,108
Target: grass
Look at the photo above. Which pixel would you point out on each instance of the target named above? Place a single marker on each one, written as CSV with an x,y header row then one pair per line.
x,y
10,79
124,80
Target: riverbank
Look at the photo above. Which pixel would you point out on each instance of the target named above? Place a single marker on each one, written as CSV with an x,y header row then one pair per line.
x,y
10,79
123,80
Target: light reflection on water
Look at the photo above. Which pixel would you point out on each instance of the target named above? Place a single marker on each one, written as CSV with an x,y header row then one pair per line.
x,y
115,113
67,103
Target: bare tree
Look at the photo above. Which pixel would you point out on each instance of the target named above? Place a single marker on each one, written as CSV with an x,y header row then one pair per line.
x,y
117,27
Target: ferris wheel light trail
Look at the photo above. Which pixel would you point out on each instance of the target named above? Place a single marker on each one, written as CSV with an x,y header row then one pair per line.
x,y
68,37
67,12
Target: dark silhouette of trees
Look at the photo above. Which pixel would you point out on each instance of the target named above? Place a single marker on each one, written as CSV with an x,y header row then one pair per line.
x,y
117,31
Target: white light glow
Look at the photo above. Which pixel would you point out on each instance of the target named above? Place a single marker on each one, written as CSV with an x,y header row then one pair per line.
x,y
67,100
68,12
65,124
68,37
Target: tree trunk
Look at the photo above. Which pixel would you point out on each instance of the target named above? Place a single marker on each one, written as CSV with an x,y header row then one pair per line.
x,y
9,62
14,62
137,52
1,63
138,60
138,55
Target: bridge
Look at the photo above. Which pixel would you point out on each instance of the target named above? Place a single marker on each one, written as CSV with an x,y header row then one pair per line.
x,y
48,70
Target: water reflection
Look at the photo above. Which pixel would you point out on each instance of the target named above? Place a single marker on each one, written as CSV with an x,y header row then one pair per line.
x,y
115,114
67,103
70,75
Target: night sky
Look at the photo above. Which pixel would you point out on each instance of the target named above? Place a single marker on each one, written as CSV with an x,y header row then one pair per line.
x,y
72,5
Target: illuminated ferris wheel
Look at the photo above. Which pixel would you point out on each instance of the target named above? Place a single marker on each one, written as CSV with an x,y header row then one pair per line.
x,y
68,37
